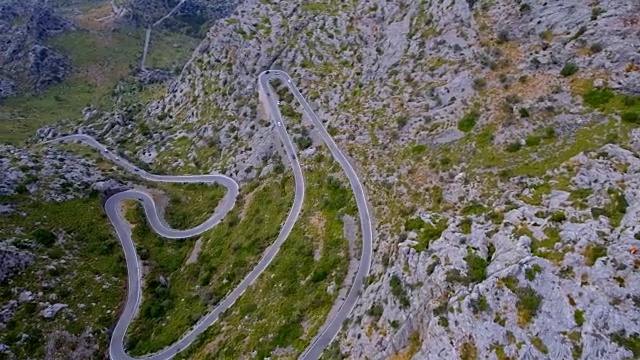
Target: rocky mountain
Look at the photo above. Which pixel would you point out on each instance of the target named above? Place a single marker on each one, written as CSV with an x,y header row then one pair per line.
x,y
192,17
498,144
26,63
408,87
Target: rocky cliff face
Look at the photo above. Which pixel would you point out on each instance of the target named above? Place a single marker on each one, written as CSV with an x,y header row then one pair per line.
x,y
559,280
26,64
498,236
192,16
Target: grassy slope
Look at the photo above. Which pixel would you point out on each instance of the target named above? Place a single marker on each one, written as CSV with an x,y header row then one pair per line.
x,y
97,67
93,259
228,253
100,58
289,302
191,204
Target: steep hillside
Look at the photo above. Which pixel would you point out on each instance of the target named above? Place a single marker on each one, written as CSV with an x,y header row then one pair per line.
x,y
27,64
498,144
450,110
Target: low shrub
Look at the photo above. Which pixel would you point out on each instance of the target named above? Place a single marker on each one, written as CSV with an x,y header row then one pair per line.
x,y
569,69
468,122
533,140
630,117
514,146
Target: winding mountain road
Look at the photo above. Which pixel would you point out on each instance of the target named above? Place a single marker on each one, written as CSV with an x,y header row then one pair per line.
x,y
268,97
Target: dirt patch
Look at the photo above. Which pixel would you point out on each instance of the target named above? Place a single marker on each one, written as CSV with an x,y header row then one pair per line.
x,y
197,248
350,228
247,201
98,18
318,222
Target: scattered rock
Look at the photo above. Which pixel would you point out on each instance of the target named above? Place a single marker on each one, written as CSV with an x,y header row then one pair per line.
x,y
51,311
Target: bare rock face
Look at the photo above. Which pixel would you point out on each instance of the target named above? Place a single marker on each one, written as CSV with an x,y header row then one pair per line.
x,y
13,260
51,311
193,15
46,67
557,279
53,174
26,64
61,344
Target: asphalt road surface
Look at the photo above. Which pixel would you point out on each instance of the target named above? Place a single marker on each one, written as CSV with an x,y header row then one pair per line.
x,y
331,328
268,97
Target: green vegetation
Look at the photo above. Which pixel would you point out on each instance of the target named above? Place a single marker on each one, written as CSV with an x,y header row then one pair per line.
x,y
510,283
533,140
579,197
578,316
530,273
537,342
169,50
443,321
426,232
479,305
528,299
630,117
631,342
528,304
468,122
228,253
513,146
496,217
598,97
397,289
475,208
465,225
558,217
44,237
287,304
592,252
610,102
468,351
569,69
318,7
418,149
99,60
375,311
89,248
478,152
616,208
477,267
546,248
97,68
191,204
499,350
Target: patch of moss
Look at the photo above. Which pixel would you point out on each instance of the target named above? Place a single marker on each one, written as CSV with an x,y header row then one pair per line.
x,y
477,267
537,342
631,342
465,225
592,252
468,351
578,316
468,122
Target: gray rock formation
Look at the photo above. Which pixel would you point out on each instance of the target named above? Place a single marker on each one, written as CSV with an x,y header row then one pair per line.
x,y
193,15
53,174
13,260
579,266
51,311
26,64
